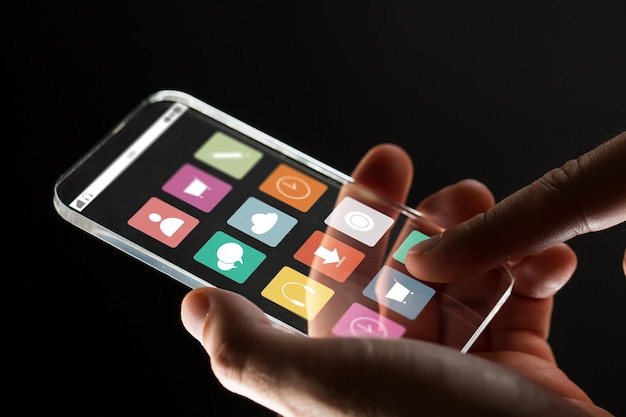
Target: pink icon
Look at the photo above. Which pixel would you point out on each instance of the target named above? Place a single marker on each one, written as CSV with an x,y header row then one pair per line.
x,y
164,222
196,187
360,321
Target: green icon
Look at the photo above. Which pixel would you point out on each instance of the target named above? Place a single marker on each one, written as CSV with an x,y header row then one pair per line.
x,y
229,155
414,238
230,257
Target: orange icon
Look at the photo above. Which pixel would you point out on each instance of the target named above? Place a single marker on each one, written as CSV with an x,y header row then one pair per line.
x,y
293,187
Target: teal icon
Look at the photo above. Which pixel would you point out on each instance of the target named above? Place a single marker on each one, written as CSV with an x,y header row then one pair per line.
x,y
413,239
230,257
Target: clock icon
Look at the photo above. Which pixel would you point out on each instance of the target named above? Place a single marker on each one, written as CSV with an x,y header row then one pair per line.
x,y
367,327
293,187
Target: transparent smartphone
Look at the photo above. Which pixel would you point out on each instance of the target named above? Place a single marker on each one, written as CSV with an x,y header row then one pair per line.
x,y
211,201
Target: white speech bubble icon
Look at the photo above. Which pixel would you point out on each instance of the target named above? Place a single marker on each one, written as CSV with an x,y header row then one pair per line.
x,y
228,254
225,266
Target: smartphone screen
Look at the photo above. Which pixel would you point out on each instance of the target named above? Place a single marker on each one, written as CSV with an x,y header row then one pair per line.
x,y
211,201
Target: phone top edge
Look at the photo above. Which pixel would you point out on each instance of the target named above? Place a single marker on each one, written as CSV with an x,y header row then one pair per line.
x,y
274,143
264,138
184,98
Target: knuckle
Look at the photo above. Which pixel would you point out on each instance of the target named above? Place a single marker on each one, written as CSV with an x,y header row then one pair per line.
x,y
564,182
228,360
238,362
563,179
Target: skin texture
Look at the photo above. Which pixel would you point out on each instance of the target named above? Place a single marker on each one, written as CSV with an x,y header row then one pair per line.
x,y
510,370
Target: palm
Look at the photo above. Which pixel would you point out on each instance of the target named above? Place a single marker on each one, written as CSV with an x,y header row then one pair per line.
x,y
517,339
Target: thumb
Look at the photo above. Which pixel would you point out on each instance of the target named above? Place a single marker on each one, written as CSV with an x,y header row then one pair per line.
x,y
241,343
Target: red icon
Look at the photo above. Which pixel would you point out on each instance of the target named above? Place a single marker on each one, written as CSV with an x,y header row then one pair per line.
x,y
329,256
164,222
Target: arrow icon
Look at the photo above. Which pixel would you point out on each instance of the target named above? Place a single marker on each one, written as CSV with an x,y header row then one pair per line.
x,y
329,256
366,328
291,185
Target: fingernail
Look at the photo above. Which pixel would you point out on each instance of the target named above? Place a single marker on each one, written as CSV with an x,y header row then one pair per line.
x,y
425,246
194,311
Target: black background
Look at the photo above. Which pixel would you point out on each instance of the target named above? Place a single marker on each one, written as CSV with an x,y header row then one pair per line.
x,y
497,91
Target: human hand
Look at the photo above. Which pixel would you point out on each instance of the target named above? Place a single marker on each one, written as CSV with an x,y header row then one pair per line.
x,y
584,195
510,371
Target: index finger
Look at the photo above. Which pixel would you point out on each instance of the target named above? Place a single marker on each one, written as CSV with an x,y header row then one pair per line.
x,y
584,195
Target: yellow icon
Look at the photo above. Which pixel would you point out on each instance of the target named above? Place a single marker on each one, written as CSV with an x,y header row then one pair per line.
x,y
297,293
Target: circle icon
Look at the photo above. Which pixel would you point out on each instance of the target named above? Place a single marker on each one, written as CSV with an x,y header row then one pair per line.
x,y
293,187
359,221
367,326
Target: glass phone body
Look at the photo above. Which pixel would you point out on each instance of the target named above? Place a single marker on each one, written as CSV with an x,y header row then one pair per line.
x,y
211,201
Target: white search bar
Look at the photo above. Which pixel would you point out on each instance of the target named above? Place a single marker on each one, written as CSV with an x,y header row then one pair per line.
x,y
128,156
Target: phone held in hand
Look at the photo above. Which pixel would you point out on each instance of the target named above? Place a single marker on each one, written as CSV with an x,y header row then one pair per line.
x,y
209,200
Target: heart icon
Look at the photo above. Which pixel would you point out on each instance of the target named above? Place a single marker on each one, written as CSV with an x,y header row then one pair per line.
x,y
262,222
